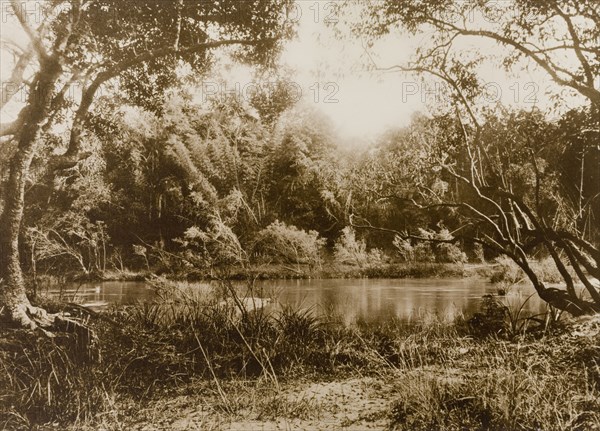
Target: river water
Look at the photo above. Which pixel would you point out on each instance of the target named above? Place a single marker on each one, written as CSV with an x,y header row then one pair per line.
x,y
367,299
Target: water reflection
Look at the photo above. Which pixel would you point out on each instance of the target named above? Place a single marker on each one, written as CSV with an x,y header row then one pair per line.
x,y
366,299
101,294
380,299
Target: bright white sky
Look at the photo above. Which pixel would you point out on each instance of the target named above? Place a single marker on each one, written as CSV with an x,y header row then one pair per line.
x,y
368,103
332,77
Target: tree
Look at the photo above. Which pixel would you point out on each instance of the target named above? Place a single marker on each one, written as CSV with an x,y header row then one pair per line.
x,y
558,36
301,164
385,176
506,190
273,97
145,46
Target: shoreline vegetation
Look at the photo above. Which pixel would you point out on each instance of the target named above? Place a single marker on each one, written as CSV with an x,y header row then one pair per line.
x,y
281,271
501,271
498,271
190,360
208,359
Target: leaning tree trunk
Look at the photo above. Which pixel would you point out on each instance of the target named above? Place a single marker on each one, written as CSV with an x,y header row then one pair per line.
x,y
14,303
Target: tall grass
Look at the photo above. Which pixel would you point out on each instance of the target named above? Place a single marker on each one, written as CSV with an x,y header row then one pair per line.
x,y
45,380
504,387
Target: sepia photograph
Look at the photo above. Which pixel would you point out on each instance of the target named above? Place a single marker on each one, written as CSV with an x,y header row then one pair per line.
x,y
280,215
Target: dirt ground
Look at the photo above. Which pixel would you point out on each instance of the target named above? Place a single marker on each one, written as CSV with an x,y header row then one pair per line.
x,y
351,404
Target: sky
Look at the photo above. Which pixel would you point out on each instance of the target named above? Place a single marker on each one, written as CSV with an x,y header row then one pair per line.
x,y
364,104
360,104
330,76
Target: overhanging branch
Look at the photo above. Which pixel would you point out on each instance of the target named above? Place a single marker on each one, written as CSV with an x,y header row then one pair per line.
x,y
72,155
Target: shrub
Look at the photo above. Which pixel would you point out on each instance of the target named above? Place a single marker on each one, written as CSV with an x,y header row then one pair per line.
x,y
404,248
478,253
351,251
216,245
506,271
428,249
424,253
288,244
445,252
450,253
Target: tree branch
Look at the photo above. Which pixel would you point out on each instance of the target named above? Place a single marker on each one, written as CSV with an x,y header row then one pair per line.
x,y
588,91
71,157
33,35
17,76
589,76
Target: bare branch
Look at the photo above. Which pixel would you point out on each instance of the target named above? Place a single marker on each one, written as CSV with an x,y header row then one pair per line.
x,y
32,33
589,76
17,76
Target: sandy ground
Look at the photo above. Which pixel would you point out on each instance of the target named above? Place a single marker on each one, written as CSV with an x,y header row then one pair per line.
x,y
352,404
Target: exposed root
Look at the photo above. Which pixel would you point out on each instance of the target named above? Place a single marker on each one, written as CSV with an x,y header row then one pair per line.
x,y
51,325
28,316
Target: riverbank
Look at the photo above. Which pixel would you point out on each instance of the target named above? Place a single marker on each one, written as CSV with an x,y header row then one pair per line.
x,y
189,363
287,272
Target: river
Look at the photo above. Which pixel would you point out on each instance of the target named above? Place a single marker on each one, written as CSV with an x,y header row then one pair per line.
x,y
366,299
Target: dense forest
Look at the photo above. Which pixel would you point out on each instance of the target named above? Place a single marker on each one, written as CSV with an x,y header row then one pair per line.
x,y
233,182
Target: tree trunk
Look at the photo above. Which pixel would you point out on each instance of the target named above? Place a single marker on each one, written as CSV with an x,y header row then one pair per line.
x,y
14,303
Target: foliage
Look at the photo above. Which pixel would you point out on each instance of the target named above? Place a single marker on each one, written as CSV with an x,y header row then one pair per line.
x,y
280,242
48,380
350,250
72,238
404,248
144,48
301,169
491,320
426,251
507,26
496,175
215,246
196,343
411,270
478,254
506,271
435,245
